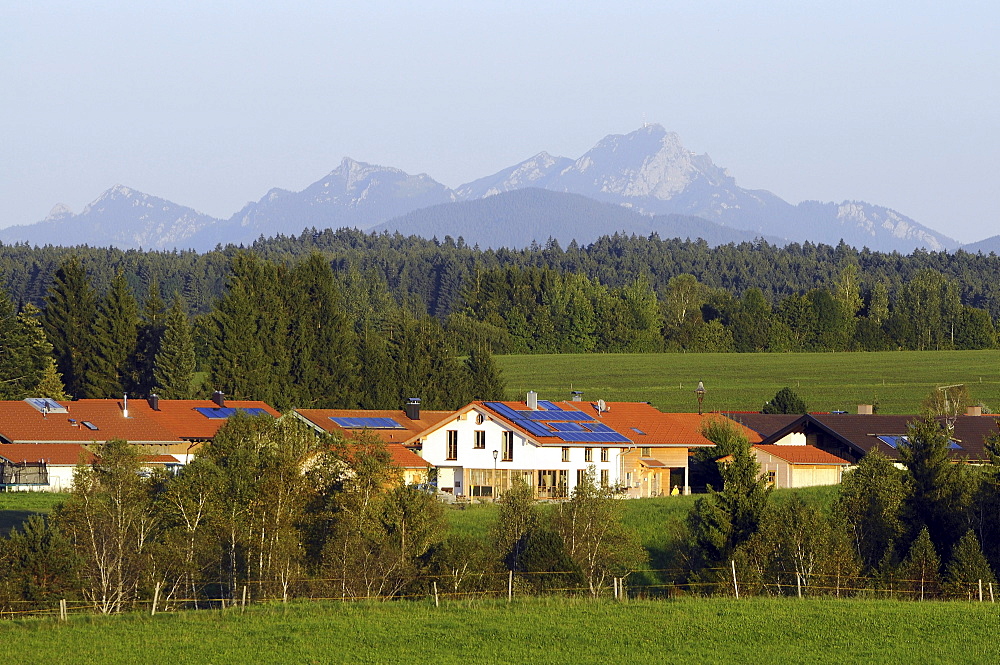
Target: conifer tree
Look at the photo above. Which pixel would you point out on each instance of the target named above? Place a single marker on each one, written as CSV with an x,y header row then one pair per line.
x,y
920,572
485,376
174,365
114,342
51,384
150,335
24,350
70,308
968,567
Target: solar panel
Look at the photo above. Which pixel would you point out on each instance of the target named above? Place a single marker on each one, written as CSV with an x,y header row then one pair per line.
x,y
367,423
592,437
598,427
567,427
227,412
503,410
548,406
552,415
537,429
46,405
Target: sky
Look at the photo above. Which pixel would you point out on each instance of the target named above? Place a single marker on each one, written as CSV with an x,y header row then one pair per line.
x,y
211,104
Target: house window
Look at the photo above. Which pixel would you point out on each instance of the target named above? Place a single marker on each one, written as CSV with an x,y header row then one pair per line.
x,y
588,454
604,477
452,452
480,418
604,454
581,476
480,441
565,454
508,446
646,452
771,477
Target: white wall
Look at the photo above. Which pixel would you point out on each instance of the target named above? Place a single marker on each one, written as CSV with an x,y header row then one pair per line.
x,y
527,456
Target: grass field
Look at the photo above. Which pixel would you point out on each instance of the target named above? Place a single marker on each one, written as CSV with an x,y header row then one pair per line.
x,y
898,380
540,630
15,507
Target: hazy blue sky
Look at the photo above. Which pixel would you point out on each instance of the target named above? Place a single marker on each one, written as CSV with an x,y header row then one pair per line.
x,y
210,104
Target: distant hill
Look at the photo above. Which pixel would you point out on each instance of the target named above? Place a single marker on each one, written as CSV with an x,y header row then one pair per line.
x,y
986,246
519,217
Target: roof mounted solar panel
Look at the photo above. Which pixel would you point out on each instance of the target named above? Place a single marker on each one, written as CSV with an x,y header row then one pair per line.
x,y
552,415
549,406
46,405
567,427
592,437
216,413
366,423
535,429
598,427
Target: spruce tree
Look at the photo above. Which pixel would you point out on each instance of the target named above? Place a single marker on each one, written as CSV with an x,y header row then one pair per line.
x,y
70,308
51,384
24,350
150,336
114,342
785,401
968,567
174,365
920,572
485,376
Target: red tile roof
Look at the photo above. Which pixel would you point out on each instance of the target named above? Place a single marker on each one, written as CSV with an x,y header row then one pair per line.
x,y
802,454
62,454
406,458
655,428
22,423
180,417
321,418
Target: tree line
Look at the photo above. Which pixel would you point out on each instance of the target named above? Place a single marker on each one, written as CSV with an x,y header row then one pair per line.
x,y
928,530
269,510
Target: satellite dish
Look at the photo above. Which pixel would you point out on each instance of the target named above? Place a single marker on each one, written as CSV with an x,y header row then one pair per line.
x,y
601,406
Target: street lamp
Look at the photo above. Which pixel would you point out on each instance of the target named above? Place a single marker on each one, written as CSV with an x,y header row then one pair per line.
x,y
700,393
495,453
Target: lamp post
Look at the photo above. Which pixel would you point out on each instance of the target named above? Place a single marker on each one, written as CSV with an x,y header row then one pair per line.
x,y
495,453
700,394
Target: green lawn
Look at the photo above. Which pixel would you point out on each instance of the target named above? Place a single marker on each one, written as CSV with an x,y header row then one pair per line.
x,y
15,507
539,630
898,380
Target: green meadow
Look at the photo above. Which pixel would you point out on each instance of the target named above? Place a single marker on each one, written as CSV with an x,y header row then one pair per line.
x,y
898,381
529,630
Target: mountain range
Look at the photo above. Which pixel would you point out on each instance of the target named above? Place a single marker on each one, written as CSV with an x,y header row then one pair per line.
x,y
639,183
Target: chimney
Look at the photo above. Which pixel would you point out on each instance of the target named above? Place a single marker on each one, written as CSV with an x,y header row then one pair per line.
x,y
412,408
532,400
219,398
974,411
577,395
865,409
125,406
154,401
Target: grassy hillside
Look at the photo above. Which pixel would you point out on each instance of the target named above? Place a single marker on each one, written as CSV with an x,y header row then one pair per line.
x,y
15,507
539,630
898,380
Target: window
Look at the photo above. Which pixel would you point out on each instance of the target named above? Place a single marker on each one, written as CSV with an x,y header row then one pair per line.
x,y
480,418
452,452
508,446
581,476
770,477
588,454
565,454
480,441
646,452
604,454
604,477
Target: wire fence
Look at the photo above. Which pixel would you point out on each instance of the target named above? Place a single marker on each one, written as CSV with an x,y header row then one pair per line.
x,y
640,584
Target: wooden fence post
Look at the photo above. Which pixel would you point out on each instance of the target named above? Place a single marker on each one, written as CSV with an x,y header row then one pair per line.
x,y
510,585
980,591
244,601
156,598
736,587
62,610
436,603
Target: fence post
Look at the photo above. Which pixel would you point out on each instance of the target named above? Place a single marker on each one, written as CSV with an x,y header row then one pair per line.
x,y
436,603
991,592
798,584
736,587
62,609
244,601
510,585
615,581
980,590
156,598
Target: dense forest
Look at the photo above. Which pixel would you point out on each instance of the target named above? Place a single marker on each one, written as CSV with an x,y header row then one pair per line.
x,y
343,318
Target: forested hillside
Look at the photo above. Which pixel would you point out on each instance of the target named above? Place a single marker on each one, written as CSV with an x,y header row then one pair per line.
x,y
348,319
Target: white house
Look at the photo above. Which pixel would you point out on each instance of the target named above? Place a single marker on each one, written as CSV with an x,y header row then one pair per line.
x,y
482,448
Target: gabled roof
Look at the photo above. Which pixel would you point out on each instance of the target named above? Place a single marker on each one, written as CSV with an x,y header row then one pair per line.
x,y
764,424
861,433
405,458
187,419
802,454
407,430
22,423
638,424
